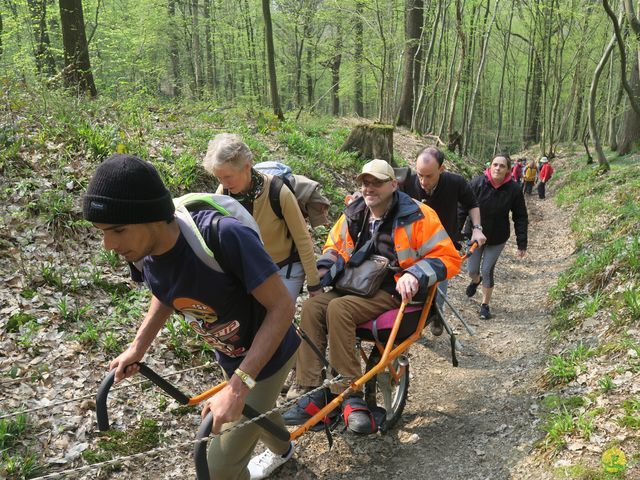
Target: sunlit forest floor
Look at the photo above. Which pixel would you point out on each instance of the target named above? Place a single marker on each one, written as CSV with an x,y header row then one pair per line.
x,y
549,388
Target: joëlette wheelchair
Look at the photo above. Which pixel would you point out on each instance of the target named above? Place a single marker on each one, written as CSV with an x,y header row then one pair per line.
x,y
386,379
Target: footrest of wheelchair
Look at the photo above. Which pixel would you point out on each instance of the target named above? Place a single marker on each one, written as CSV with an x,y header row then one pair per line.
x,y
379,415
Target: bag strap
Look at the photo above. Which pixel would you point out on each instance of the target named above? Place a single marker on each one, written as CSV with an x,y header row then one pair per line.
x,y
195,240
274,195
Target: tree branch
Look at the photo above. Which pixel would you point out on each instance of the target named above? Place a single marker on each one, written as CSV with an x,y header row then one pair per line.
x,y
623,58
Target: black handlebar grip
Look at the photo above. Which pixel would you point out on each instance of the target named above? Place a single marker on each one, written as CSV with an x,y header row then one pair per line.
x,y
200,451
101,401
102,413
172,391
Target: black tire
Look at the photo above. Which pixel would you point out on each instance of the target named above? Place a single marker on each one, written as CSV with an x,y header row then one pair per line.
x,y
384,391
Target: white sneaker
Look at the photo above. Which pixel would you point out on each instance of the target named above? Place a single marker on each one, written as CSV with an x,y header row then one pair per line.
x,y
263,465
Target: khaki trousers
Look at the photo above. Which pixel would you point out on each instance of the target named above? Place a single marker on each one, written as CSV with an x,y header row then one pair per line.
x,y
336,316
229,453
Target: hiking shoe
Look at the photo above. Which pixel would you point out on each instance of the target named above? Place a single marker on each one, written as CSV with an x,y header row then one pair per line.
x,y
484,312
308,406
296,391
472,288
435,325
263,465
357,416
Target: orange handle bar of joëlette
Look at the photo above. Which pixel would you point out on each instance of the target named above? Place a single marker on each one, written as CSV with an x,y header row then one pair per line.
x,y
472,249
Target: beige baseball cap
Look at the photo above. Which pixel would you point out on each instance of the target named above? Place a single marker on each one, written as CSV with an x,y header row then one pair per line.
x,y
379,169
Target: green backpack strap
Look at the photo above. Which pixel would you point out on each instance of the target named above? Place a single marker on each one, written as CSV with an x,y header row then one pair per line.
x,y
224,204
195,240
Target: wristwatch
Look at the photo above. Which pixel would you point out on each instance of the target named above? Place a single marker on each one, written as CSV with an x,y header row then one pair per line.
x,y
246,378
478,227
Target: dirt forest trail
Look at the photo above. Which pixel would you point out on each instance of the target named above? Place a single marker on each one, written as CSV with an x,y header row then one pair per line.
x,y
475,421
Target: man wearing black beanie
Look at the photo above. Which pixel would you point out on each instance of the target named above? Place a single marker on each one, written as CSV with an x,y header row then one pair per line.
x,y
245,314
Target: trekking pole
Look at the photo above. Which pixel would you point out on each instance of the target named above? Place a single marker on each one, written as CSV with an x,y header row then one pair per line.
x,y
468,327
452,337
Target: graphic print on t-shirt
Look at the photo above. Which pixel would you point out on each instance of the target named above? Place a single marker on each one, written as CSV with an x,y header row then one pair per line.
x,y
204,320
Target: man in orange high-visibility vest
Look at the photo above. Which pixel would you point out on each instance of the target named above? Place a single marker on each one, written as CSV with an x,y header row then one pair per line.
x,y
385,222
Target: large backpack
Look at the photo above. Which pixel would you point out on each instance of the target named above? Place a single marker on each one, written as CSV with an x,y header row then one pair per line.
x,y
193,202
313,205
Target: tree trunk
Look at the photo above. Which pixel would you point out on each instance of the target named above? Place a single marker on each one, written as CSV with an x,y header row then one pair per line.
x,y
174,54
44,59
417,119
208,46
195,48
585,142
271,57
308,74
357,59
255,89
630,128
615,116
334,64
371,141
77,70
413,33
593,128
456,85
507,43
1,34
483,55
532,130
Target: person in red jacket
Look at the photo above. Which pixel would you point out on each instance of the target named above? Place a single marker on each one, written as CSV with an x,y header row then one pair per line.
x,y
546,170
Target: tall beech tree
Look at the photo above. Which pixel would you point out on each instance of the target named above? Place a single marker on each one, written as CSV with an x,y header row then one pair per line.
x,y
273,80
412,54
77,66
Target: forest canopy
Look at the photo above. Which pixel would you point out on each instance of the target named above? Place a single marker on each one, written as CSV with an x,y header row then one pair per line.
x,y
500,75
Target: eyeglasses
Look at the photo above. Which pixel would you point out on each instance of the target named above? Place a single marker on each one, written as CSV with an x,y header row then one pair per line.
x,y
373,183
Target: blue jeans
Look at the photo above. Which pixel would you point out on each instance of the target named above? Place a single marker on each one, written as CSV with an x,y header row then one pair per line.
x,y
296,278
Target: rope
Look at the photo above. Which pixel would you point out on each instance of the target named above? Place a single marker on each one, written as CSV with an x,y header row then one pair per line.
x,y
190,443
93,395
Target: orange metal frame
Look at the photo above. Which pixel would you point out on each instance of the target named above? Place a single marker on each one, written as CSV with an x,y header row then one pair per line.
x,y
389,354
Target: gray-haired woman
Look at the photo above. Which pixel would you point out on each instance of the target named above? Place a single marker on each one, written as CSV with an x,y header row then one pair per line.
x,y
286,239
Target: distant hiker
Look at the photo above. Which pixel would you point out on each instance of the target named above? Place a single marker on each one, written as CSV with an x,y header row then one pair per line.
x,y
546,171
529,177
419,252
245,314
443,191
497,196
286,237
516,171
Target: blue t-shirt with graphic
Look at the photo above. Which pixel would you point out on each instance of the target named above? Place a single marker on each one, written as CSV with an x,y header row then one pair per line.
x,y
219,306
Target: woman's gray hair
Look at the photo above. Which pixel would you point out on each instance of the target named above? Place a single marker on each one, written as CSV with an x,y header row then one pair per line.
x,y
226,149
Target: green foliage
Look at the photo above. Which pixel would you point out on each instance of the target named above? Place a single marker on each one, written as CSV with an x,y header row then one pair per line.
x,y
17,320
180,334
562,369
606,384
58,211
16,461
115,443
12,430
631,418
605,224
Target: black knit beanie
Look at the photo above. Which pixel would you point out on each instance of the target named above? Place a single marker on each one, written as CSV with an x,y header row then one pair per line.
x,y
124,190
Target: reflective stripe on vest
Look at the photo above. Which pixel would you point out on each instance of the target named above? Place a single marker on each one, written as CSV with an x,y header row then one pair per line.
x,y
413,254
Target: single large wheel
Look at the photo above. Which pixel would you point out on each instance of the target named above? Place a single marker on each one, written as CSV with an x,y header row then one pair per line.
x,y
387,391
